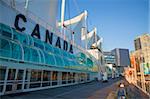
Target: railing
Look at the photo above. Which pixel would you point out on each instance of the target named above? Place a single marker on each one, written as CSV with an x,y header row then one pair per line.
x,y
138,83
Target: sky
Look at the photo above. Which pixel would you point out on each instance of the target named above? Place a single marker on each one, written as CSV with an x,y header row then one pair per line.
x,y
118,21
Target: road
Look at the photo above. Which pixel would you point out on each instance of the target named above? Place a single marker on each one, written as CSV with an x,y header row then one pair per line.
x,y
92,90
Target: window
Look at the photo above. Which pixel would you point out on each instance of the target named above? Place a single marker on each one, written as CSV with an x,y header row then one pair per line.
x,y
70,77
9,88
59,60
26,53
49,59
27,73
20,37
16,51
54,75
34,56
38,45
88,76
11,74
2,73
49,48
6,34
46,75
74,76
35,76
82,76
4,48
20,75
137,44
64,75
54,78
1,88
42,57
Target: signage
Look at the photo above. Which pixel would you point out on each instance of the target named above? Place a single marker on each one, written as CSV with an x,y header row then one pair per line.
x,y
36,34
130,72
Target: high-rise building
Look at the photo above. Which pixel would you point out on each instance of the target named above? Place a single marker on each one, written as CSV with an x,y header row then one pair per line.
x,y
118,58
142,48
122,57
142,53
140,61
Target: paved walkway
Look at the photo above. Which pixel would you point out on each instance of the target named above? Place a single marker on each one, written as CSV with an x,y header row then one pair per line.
x,y
134,93
92,90
104,93
80,91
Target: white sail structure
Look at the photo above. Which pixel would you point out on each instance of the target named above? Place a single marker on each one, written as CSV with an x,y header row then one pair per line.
x,y
73,27
89,35
74,20
92,39
97,44
89,38
44,9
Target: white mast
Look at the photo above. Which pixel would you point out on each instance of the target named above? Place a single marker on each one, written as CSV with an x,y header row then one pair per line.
x,y
95,34
26,4
13,3
85,25
62,16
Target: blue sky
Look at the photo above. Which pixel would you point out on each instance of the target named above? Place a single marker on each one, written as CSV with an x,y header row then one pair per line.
x,y
117,21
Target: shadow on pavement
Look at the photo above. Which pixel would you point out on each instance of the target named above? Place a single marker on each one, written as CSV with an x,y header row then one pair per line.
x,y
67,92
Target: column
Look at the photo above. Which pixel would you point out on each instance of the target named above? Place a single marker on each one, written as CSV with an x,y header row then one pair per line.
x,y
59,77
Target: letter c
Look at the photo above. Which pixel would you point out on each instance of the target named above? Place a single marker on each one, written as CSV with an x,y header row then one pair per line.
x,y
17,21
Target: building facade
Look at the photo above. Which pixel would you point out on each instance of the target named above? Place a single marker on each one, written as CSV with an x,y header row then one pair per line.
x,y
140,61
142,49
110,60
99,57
122,59
35,56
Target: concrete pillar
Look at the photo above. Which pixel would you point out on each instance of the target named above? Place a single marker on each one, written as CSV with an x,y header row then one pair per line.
x,y
28,78
41,77
59,77
24,76
76,77
5,81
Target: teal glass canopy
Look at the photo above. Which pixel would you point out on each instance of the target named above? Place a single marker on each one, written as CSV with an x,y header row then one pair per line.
x,y
23,47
